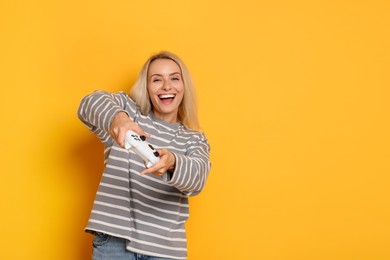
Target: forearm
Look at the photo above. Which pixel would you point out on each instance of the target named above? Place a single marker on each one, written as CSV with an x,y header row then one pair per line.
x,y
98,109
190,174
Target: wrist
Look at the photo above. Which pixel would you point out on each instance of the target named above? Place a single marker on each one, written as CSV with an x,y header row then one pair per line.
x,y
171,169
121,115
118,119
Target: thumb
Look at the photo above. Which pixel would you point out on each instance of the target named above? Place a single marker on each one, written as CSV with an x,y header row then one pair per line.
x,y
141,132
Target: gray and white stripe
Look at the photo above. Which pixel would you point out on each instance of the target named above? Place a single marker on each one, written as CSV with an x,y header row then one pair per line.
x,y
147,211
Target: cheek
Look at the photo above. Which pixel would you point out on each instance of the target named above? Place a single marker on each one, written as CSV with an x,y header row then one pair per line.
x,y
151,88
180,87
181,96
150,95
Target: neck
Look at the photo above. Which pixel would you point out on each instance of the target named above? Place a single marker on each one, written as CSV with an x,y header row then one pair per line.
x,y
167,118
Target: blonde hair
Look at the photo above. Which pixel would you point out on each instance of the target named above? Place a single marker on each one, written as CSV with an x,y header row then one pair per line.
x,y
187,112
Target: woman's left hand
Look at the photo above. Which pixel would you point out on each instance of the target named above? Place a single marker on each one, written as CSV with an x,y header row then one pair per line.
x,y
167,162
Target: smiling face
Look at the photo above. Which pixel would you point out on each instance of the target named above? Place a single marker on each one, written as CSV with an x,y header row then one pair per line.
x,y
165,89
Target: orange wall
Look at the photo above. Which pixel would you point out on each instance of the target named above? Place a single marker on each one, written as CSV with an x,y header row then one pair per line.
x,y
294,98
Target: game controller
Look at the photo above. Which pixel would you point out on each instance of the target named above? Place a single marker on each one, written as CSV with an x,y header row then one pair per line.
x,y
138,145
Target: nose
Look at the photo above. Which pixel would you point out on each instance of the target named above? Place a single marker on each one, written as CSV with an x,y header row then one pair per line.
x,y
167,85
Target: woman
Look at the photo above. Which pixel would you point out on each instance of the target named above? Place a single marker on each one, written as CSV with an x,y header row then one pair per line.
x,y
140,213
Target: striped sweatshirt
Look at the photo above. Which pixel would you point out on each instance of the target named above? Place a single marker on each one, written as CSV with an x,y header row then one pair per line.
x,y
148,211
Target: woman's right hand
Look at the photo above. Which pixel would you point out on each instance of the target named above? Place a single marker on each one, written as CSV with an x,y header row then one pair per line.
x,y
120,125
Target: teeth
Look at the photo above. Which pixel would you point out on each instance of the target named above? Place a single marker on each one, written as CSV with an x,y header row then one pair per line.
x,y
166,96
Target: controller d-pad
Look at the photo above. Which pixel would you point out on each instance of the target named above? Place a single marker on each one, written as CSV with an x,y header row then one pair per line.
x,y
156,154
143,138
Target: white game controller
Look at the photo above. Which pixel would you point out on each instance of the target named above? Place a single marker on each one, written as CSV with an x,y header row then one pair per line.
x,y
138,145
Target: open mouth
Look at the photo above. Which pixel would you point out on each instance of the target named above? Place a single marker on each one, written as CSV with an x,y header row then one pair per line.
x,y
166,98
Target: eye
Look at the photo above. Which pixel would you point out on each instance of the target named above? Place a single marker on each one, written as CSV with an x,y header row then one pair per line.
x,y
155,80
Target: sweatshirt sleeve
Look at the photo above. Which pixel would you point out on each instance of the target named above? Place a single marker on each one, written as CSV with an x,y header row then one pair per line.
x,y
98,109
192,168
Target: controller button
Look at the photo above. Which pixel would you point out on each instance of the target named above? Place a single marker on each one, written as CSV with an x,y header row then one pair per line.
x,y
151,147
143,138
156,154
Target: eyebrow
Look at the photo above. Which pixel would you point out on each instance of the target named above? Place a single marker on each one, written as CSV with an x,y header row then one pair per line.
x,y
174,73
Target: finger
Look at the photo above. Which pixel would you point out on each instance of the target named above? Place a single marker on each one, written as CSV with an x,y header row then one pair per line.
x,y
149,170
141,132
155,169
114,132
115,135
162,152
121,138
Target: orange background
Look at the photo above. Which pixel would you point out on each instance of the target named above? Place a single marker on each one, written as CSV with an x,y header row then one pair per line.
x,y
294,98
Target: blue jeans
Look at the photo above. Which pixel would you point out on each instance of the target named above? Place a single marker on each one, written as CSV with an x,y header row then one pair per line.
x,y
106,247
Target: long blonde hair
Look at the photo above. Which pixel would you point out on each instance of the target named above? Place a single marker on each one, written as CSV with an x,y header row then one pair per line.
x,y
187,112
